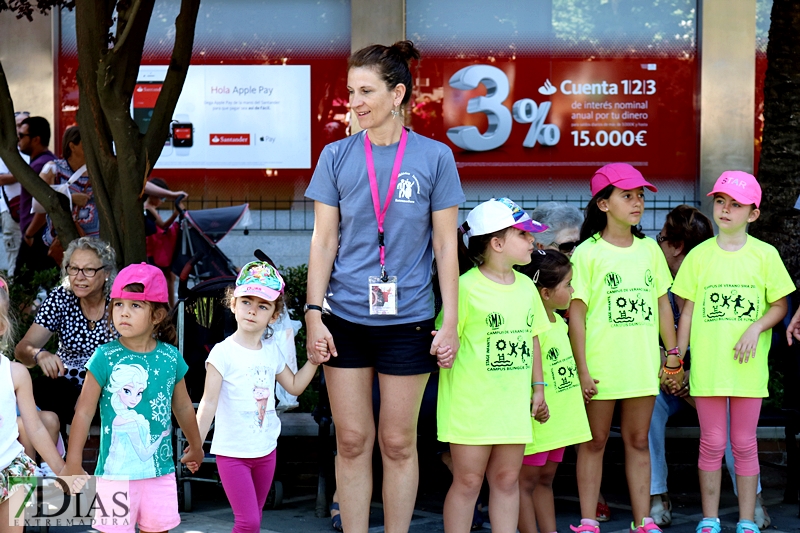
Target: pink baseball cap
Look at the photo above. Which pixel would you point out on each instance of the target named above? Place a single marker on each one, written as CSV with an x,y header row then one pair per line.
x,y
740,186
259,278
155,284
620,175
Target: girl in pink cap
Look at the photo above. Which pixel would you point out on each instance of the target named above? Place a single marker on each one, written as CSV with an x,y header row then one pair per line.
x,y
240,394
137,380
619,306
735,287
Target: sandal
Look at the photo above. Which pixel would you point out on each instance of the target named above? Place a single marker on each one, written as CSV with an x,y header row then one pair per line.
x,y
603,512
336,519
711,525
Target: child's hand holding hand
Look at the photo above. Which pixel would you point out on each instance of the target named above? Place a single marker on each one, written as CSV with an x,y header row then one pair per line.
x,y
75,477
322,347
444,354
192,458
745,349
539,410
588,386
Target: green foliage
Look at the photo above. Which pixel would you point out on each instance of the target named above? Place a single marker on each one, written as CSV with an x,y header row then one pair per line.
x,y
296,279
23,297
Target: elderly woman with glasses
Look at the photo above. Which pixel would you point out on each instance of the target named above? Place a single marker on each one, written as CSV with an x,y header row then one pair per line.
x,y
77,311
564,226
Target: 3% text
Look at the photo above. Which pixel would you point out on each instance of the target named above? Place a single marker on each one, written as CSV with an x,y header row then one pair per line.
x,y
500,119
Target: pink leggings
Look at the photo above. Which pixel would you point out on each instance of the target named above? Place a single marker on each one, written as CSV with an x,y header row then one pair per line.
x,y
712,412
246,483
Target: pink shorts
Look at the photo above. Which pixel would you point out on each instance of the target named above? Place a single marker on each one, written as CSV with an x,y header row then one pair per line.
x,y
151,503
541,458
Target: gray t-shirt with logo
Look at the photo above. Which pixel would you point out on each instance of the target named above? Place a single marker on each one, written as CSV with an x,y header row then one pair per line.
x,y
428,182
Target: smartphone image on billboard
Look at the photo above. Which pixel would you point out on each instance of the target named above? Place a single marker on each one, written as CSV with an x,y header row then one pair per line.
x,y
145,95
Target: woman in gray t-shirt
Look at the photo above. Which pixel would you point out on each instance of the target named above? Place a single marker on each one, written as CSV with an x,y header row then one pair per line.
x,y
381,298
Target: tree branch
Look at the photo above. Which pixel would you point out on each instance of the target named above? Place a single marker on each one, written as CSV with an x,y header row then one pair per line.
x,y
130,20
158,130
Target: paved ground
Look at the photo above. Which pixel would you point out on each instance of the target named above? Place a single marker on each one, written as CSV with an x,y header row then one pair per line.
x,y
212,513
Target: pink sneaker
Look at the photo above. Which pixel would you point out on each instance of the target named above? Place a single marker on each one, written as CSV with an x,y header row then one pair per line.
x,y
648,526
586,527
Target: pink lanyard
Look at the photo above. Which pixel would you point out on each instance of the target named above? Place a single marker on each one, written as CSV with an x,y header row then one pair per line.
x,y
373,187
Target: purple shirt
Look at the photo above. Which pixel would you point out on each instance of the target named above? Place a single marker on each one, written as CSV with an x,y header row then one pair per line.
x,y
25,198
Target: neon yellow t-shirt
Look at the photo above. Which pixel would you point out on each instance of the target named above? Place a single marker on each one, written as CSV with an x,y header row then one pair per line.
x,y
568,423
621,287
730,291
485,397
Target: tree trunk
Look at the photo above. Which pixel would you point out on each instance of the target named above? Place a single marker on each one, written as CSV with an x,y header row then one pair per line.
x,y
779,168
118,156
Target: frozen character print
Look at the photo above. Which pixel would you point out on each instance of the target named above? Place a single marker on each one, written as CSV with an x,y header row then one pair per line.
x,y
131,451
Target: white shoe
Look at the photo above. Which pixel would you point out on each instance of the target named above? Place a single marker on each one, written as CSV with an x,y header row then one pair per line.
x,y
761,517
661,509
45,470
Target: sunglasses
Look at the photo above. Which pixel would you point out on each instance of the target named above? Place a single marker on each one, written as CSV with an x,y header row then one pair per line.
x,y
21,136
565,247
18,113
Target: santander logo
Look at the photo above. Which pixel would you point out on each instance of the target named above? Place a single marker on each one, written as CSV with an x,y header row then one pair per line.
x,y
229,139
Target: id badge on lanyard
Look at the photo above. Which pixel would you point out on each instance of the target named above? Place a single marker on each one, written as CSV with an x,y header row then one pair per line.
x,y
382,290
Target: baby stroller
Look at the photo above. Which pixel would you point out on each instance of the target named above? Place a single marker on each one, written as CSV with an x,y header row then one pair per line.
x,y
202,319
199,233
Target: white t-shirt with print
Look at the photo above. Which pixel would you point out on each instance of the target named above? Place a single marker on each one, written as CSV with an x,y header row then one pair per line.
x,y
246,425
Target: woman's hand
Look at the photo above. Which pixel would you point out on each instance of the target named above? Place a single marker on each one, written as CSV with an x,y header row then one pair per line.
x,y
319,341
80,198
588,386
51,364
445,345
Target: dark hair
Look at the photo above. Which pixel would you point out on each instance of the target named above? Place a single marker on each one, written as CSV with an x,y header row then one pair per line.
x,y
547,268
390,62
280,302
472,254
688,226
71,135
156,181
597,220
38,127
163,330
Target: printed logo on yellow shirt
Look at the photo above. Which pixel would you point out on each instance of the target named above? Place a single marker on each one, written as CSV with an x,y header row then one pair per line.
x,y
506,349
629,306
730,302
564,373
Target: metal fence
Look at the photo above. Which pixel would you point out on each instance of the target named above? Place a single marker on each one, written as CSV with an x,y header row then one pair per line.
x,y
273,214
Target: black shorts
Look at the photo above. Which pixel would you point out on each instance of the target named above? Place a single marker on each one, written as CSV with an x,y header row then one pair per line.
x,y
397,350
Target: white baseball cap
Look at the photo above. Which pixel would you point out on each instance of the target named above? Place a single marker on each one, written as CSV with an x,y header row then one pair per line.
x,y
498,214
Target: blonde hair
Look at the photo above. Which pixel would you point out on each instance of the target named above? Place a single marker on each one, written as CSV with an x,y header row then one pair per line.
x,y
7,320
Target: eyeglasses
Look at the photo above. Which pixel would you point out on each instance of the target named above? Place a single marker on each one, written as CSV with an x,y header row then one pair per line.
x,y
88,272
565,247
20,136
18,113
660,238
